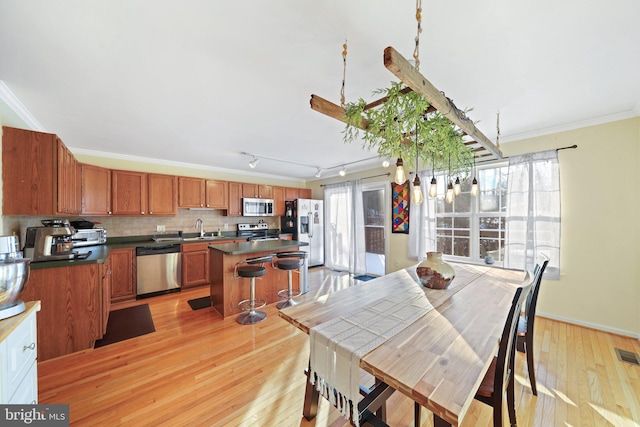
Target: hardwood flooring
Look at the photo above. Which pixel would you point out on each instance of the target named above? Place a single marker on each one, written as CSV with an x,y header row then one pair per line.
x,y
199,369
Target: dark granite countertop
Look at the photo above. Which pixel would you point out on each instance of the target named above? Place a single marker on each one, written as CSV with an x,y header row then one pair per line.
x,y
256,246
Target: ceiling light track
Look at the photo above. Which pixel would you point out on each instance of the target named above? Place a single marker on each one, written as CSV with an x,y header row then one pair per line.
x,y
256,159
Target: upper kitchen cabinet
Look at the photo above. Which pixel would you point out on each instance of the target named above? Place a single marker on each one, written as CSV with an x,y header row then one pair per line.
x,y
40,175
191,192
201,193
257,191
217,194
296,193
304,193
128,192
163,194
96,190
278,201
235,199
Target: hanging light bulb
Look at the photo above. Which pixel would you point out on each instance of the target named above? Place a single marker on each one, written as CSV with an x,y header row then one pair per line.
x,y
450,193
433,188
400,177
474,187
457,188
417,191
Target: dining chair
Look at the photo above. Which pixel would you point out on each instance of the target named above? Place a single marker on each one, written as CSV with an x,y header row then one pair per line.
x,y
499,377
526,321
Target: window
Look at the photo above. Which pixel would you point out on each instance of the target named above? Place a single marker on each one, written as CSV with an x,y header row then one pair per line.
x,y
471,228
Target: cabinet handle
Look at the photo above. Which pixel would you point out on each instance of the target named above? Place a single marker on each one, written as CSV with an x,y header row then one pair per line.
x,y
109,212
31,346
150,213
142,213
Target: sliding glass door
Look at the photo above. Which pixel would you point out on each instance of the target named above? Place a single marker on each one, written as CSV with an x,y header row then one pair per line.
x,y
375,220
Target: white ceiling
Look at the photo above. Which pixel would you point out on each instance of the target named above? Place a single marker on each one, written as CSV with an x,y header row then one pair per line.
x,y
199,82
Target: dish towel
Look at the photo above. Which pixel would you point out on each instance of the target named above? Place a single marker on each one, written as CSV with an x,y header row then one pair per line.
x,y
338,345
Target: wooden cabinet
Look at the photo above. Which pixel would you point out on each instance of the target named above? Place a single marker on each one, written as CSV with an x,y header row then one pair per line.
x,y
291,194
71,315
278,201
195,264
191,192
217,194
128,192
257,191
96,190
40,176
69,180
18,349
235,199
106,292
162,191
123,274
304,193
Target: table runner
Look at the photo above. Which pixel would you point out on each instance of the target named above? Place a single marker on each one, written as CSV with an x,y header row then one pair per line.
x,y
338,345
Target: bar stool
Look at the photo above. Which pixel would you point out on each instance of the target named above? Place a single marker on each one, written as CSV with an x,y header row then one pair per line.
x,y
254,268
292,261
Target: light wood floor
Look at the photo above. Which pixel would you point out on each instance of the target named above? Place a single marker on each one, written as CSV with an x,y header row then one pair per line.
x,y
198,369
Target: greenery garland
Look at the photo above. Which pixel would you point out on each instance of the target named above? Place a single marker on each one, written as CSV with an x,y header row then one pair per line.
x,y
391,129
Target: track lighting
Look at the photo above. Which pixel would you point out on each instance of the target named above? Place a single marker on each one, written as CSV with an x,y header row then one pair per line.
x,y
385,163
318,173
400,176
253,163
343,171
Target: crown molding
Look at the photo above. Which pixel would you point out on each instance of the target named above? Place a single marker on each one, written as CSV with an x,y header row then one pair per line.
x,y
635,112
18,108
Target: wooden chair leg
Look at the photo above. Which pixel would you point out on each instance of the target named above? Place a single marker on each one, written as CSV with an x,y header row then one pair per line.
x,y
530,367
511,401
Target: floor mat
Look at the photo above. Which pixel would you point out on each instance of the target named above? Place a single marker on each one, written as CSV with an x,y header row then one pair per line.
x,y
198,303
127,323
365,277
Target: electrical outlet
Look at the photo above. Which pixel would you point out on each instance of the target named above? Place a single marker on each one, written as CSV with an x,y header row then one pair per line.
x,y
160,228
226,226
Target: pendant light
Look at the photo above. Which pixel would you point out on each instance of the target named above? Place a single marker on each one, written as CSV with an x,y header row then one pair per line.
x,y
433,188
474,183
457,187
400,176
417,191
450,195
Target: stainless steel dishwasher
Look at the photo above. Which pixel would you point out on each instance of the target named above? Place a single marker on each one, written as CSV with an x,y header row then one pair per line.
x,y
159,269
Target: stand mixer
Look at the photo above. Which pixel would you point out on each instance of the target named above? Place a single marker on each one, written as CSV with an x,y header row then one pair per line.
x,y
14,275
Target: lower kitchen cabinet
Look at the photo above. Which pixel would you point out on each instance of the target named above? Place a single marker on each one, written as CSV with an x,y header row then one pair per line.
x,y
18,350
195,264
123,274
107,276
71,315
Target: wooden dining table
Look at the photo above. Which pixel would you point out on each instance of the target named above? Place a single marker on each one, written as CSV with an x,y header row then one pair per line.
x,y
440,359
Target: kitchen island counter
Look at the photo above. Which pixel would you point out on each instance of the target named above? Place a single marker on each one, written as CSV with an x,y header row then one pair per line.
x,y
227,290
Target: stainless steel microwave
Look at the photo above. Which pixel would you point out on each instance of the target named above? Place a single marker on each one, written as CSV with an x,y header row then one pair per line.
x,y
257,207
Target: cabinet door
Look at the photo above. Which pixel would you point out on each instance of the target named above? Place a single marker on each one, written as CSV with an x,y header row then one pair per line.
x,y
304,193
235,199
249,190
217,194
70,319
265,191
123,282
195,264
278,201
106,292
163,194
190,192
290,193
129,192
66,179
96,190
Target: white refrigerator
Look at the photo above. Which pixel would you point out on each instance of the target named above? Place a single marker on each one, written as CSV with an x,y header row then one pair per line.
x,y
310,228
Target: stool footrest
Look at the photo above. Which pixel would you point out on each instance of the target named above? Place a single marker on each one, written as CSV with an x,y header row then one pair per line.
x,y
245,304
285,294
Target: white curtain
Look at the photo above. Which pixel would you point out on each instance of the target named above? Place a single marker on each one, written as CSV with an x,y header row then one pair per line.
x,y
344,227
533,212
422,223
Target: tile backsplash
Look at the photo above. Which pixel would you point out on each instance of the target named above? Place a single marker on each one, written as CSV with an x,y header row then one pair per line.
x,y
119,226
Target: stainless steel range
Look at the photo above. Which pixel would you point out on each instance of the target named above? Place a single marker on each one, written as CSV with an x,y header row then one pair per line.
x,y
256,232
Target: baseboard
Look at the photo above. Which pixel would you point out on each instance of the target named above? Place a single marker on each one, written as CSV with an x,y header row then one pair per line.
x,y
589,325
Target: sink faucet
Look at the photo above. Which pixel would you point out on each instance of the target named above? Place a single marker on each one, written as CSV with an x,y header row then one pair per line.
x,y
200,227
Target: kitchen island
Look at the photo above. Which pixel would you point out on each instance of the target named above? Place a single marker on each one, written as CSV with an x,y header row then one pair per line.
x,y
227,291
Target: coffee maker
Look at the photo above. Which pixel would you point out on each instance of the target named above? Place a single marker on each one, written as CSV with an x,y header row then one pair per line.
x,y
50,242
